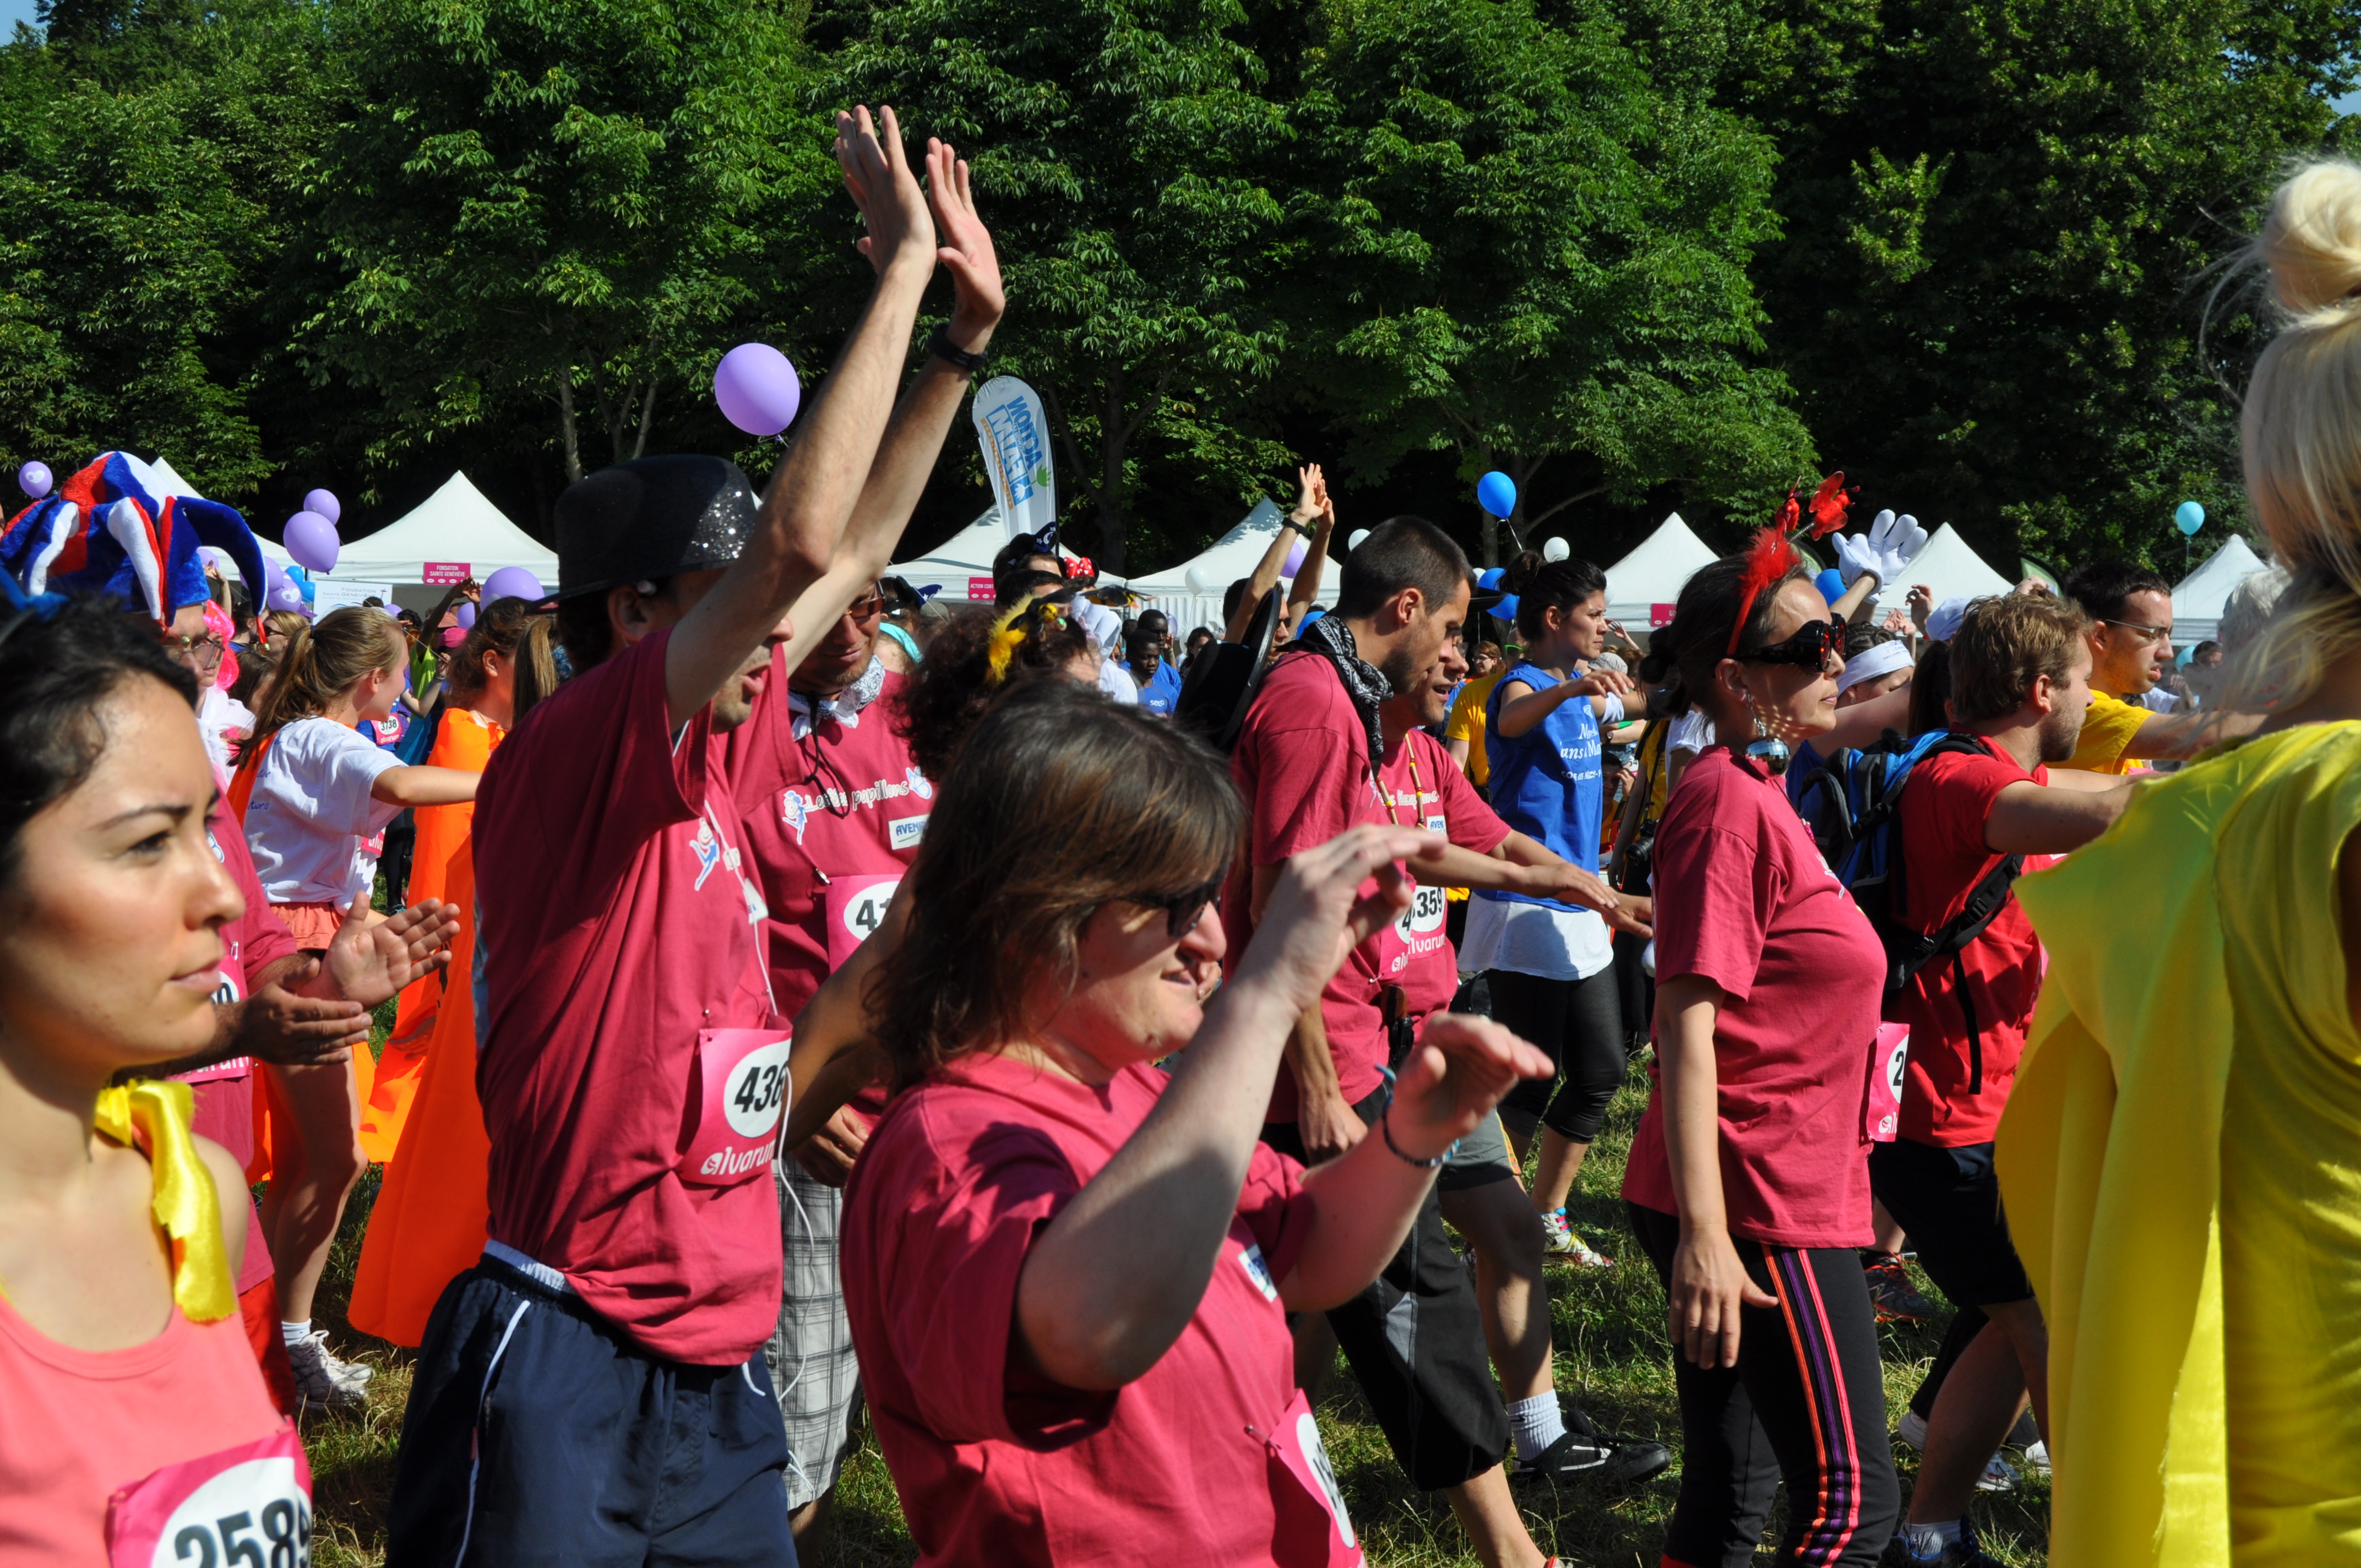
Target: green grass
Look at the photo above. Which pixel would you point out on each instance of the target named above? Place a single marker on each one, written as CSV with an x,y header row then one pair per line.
x,y
1611,1355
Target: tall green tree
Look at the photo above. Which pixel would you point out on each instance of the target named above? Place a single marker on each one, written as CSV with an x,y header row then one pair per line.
x,y
562,210
1529,250
1992,290
1121,150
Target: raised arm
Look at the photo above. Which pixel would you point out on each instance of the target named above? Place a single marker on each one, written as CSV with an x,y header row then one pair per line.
x,y
914,437
1306,586
1522,707
1267,570
811,495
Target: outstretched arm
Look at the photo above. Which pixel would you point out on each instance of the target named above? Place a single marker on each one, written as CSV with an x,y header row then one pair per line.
x,y
1306,586
2031,820
811,495
1267,570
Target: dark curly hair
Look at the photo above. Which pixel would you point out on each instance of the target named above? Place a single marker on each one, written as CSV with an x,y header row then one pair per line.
x,y
1061,801
954,686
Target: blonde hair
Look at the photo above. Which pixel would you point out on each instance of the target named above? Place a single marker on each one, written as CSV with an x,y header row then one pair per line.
x,y
2302,434
321,661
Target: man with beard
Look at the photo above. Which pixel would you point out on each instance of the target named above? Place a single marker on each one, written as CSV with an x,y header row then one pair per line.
x,y
1336,738
2020,684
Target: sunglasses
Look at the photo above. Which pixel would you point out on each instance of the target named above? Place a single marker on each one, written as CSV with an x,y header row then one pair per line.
x,y
1183,910
866,609
208,643
1808,648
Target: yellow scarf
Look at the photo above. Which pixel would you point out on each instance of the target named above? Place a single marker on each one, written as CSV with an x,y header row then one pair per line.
x,y
154,1117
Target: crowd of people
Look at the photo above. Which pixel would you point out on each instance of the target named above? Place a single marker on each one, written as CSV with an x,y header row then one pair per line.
x,y
814,999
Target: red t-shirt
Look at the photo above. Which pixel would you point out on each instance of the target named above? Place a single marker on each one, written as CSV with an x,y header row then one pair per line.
x,y
614,924
1944,809
1743,899
995,1464
843,802
1303,762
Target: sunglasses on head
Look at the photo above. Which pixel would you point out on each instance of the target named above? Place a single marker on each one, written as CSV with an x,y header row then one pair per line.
x,y
1808,648
1183,910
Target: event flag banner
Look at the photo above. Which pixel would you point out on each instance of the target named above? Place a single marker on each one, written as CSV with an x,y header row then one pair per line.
x,y
443,573
1015,437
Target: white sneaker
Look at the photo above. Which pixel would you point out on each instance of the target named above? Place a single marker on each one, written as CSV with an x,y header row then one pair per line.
x,y
1562,1241
2037,1459
323,1380
1997,1476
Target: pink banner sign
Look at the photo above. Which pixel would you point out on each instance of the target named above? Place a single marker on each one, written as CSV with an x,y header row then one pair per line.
x,y
1660,614
980,588
443,573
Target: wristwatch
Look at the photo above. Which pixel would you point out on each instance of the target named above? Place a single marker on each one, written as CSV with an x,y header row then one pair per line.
x,y
940,347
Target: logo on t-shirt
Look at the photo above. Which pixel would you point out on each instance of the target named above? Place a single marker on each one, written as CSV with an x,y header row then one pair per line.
x,y
707,850
919,785
794,811
907,831
1259,1272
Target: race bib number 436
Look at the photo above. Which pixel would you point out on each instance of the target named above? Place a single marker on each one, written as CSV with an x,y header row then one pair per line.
x,y
243,1507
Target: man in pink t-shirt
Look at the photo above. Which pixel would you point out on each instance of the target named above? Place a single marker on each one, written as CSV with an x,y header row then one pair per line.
x,y
2020,682
593,1390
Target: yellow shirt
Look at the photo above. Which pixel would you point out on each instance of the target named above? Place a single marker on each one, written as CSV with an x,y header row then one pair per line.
x,y
2178,1159
1466,723
2108,730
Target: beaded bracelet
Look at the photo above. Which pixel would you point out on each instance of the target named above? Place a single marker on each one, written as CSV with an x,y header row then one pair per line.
x,y
1386,1128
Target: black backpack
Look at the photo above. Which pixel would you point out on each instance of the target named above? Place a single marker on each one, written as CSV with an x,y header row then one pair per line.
x,y
1221,685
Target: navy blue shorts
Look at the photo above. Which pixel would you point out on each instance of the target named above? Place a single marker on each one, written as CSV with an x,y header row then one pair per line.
x,y
1948,1199
537,1434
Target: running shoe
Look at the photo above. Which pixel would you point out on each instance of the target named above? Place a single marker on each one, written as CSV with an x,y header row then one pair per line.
x,y
323,1380
2036,1458
1962,1554
1561,1240
1998,1475
1889,1290
1583,1454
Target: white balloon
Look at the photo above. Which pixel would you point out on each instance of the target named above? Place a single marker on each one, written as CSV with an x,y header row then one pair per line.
x,y
1354,542
1200,581
1555,549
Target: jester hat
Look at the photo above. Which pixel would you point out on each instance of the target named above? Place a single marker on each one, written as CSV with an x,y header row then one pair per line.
x,y
114,528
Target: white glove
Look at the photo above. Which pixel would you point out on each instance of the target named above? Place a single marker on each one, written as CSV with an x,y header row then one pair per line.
x,y
1883,551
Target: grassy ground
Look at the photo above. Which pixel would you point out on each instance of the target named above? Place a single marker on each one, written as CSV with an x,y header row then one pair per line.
x,y
1611,1355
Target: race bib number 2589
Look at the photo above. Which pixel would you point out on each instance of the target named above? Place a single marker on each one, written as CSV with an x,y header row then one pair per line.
x,y
244,1507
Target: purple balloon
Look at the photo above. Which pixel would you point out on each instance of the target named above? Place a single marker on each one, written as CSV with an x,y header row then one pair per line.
x,y
757,388
283,594
465,616
1294,560
35,479
513,583
312,540
324,502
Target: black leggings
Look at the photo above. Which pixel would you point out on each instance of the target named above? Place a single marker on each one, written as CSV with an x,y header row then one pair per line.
x,y
1806,1401
1580,1023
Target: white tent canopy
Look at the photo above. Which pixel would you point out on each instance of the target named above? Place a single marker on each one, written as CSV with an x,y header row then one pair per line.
x,y
2197,603
455,524
1234,556
1950,569
169,480
1651,574
963,559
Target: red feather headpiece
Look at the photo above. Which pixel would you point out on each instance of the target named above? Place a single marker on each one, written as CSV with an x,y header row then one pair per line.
x,y
1769,558
1829,504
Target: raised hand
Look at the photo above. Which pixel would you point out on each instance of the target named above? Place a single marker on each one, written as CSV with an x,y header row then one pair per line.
x,y
877,176
1310,493
367,963
1459,1070
964,246
1316,915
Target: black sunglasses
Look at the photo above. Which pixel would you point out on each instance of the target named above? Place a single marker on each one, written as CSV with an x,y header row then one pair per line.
x,y
1809,647
1183,910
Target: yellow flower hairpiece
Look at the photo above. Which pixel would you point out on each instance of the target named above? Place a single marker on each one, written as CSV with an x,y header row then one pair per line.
x,y
1008,635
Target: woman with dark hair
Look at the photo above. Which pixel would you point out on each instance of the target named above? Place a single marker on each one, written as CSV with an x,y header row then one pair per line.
x,y
1748,1183
1068,1274
976,659
126,1374
1548,962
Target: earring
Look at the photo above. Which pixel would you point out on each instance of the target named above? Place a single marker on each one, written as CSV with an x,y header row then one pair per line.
x,y
1767,749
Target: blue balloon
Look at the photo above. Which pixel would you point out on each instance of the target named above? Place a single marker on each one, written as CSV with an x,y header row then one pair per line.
x,y
2189,516
1506,608
1496,493
1491,577
1832,585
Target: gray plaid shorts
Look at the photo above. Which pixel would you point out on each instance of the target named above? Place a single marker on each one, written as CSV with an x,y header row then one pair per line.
x,y
810,1356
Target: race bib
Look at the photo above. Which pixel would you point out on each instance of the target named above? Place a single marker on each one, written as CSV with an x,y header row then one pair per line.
x,y
1312,1525
739,1090
231,990
856,907
244,1507
1416,931
1889,1061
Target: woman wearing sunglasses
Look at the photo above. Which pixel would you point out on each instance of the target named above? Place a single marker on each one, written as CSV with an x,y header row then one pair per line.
x,y
1069,1274
1749,1179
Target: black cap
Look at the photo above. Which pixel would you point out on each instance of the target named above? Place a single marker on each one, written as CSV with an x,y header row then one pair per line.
x,y
650,519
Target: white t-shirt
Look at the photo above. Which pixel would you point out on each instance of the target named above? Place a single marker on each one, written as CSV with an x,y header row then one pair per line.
x,y
2155,699
1533,938
314,828
1692,732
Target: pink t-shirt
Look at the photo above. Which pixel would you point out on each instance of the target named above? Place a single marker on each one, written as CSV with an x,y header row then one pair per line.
x,y
1302,763
76,1426
998,1466
1744,899
1944,811
616,921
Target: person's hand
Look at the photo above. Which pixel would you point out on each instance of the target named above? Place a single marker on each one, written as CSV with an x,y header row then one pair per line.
x,y
1451,1079
965,248
827,1155
2035,587
367,963
1710,1285
877,175
1633,914
1316,914
1569,883
1328,1126
276,1026
1618,637
1601,683
1311,493
1883,551
1922,605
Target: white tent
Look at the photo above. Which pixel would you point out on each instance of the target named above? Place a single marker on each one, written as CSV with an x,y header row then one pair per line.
x,y
1950,569
2197,602
1234,556
169,482
962,566
1642,588
455,525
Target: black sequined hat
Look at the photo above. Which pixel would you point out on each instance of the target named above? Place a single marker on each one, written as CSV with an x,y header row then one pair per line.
x,y
650,519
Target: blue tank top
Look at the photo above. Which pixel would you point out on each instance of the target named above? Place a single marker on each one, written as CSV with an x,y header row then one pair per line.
x,y
1546,782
